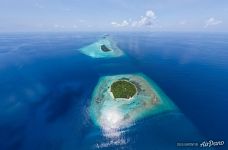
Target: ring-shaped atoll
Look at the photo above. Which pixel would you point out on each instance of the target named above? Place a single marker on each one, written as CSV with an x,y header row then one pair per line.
x,y
119,100
104,47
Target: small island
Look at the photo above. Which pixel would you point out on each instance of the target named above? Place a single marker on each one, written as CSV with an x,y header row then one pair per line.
x,y
120,100
123,89
103,48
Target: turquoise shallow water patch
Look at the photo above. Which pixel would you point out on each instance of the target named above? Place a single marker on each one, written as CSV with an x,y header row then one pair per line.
x,y
102,48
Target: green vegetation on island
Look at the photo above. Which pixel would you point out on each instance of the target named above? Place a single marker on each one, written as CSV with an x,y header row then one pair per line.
x,y
105,48
123,89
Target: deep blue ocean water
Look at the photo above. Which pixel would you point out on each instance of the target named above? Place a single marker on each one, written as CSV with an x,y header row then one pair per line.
x,y
46,85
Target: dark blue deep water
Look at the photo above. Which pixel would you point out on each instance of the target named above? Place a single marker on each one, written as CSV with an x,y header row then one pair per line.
x,y
46,86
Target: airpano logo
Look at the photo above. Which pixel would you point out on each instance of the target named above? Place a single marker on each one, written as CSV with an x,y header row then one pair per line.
x,y
204,144
212,143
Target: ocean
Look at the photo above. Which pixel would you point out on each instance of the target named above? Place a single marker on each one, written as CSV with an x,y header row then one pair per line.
x,y
46,86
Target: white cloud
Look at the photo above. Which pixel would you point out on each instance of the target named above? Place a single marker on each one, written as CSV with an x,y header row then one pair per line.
x,y
147,20
82,20
58,26
38,5
212,22
66,9
75,26
122,24
183,22
150,14
89,26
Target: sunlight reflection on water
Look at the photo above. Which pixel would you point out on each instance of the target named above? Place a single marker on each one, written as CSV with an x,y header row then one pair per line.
x,y
114,128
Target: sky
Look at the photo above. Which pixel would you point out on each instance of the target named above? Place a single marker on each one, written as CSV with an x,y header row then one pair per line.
x,y
113,15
